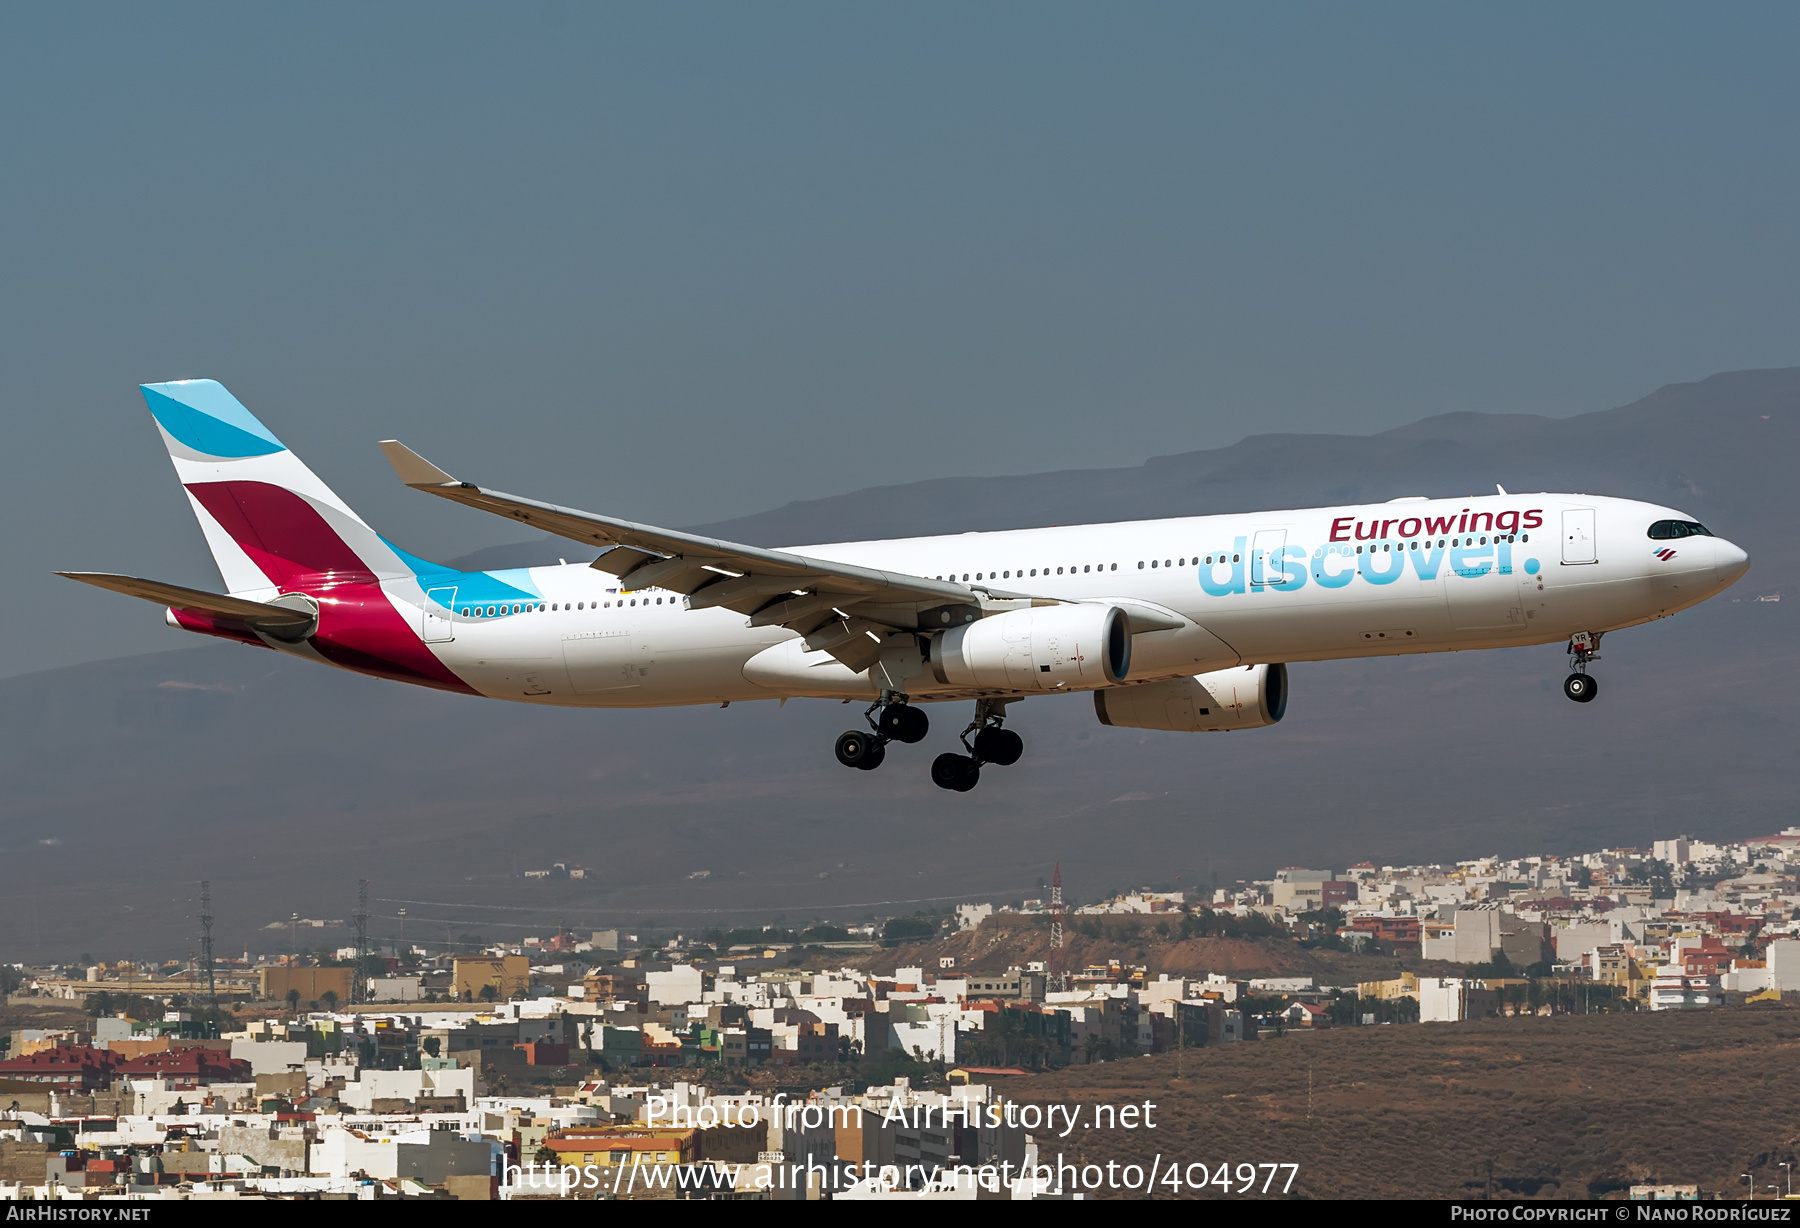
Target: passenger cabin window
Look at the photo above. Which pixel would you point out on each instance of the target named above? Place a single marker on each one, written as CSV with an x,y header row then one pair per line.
x,y
1666,530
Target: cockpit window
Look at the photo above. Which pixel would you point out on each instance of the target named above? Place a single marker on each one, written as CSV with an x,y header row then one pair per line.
x,y
1663,530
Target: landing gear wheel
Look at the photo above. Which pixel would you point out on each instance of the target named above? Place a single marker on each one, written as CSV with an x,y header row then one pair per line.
x,y
903,723
859,750
1580,688
1000,746
956,772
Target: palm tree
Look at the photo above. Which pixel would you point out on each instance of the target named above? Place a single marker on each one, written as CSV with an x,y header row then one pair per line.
x,y
293,1000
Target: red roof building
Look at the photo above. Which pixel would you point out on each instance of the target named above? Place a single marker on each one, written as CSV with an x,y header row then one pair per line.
x,y
188,1068
68,1068
1388,929
1308,1015
1730,922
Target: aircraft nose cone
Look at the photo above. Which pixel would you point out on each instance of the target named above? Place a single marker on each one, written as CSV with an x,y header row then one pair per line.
x,y
1729,561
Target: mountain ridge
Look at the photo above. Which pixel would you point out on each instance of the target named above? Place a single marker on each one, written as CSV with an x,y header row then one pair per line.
x,y
1540,456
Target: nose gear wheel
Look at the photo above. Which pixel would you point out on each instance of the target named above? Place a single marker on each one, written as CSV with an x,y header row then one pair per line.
x,y
1584,647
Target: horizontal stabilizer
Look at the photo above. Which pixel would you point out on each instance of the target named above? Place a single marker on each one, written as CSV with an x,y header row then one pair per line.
x,y
255,613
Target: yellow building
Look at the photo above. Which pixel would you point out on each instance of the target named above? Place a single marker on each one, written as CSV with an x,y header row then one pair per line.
x,y
1406,985
312,983
508,974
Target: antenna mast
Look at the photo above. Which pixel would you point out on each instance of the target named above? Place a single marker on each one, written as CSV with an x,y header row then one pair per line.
x,y
1057,971
362,940
206,945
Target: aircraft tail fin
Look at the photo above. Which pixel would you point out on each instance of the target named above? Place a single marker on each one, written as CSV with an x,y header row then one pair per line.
x,y
269,520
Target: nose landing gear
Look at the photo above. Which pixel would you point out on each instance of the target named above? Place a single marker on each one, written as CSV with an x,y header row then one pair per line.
x,y
893,720
991,744
1584,646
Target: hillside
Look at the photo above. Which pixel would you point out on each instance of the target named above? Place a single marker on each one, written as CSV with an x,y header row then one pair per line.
x,y
1571,1106
996,947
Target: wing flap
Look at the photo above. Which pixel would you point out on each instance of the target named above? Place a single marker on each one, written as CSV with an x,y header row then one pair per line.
x,y
772,586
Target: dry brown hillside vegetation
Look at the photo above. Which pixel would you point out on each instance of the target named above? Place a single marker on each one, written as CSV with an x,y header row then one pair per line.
x,y
1577,1106
1004,941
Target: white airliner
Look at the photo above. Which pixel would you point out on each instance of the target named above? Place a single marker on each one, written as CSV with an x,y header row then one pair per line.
x,y
1179,624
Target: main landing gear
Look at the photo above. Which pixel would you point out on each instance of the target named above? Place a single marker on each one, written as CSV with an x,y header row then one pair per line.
x,y
1584,647
893,720
991,744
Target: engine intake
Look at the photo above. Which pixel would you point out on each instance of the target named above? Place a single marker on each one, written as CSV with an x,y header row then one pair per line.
x,y
1047,648
1243,697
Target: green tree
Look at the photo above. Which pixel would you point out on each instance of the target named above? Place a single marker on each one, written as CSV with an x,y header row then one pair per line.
x,y
490,992
887,1065
907,929
1656,874
330,999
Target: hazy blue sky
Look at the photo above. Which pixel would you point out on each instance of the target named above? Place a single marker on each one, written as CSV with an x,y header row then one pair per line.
x,y
680,262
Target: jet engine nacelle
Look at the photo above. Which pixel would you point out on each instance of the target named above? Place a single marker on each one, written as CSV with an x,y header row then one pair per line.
x,y
1242,697
1046,648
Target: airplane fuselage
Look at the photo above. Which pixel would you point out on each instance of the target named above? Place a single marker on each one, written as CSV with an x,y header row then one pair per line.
x,y
1355,581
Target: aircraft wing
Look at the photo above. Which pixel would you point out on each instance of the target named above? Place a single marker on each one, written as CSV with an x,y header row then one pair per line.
x,y
256,613
838,607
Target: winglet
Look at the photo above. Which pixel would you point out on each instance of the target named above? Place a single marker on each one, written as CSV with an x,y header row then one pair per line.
x,y
414,469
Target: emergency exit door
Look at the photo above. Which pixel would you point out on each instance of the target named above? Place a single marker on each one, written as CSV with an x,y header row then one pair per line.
x,y
1578,536
1266,570
435,625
